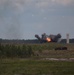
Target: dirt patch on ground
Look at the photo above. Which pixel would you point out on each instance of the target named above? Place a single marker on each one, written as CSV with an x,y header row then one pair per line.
x,y
59,59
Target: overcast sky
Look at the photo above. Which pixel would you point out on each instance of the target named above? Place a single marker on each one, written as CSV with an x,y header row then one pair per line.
x,y
22,19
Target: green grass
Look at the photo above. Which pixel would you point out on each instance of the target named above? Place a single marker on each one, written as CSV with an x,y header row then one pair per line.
x,y
32,50
35,67
25,59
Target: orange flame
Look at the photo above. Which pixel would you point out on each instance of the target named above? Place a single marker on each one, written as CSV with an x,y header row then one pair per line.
x,y
48,39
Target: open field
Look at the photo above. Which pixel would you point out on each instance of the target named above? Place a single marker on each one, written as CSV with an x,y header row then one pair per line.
x,y
35,67
36,59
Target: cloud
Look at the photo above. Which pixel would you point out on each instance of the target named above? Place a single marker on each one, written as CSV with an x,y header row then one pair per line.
x,y
15,5
63,2
22,5
49,4
43,3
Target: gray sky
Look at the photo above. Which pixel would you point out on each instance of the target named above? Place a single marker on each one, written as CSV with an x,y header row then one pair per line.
x,y
22,19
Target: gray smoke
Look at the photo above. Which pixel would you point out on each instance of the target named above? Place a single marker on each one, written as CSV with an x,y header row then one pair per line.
x,y
9,20
13,32
13,29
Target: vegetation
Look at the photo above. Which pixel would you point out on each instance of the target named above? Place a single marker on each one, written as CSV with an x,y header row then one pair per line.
x,y
27,59
33,50
35,67
7,51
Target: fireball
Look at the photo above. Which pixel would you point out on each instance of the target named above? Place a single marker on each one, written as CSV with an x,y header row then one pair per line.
x,y
48,39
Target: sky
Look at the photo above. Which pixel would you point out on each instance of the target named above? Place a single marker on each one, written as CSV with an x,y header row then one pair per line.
x,y
22,19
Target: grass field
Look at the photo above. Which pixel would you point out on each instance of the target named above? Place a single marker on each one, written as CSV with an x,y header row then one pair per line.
x,y
27,59
35,67
33,50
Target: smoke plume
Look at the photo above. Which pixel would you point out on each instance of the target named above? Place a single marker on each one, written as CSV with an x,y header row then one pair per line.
x,y
13,29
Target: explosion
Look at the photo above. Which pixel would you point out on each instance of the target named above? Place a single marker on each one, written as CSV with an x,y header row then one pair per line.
x,y
48,39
